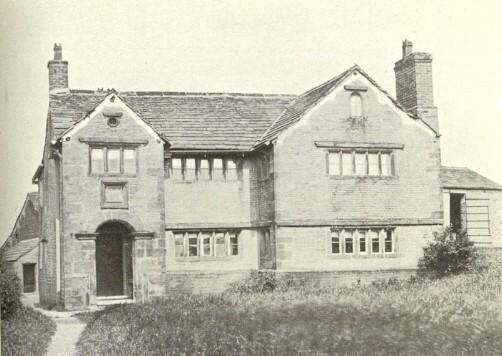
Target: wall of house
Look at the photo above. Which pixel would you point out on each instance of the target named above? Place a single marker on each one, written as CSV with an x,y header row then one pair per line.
x,y
241,205
309,248
217,203
83,211
49,214
306,195
477,197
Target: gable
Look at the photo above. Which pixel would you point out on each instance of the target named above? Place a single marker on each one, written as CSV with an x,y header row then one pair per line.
x,y
305,104
112,107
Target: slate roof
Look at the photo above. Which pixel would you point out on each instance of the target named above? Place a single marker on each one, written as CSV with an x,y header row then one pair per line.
x,y
199,121
465,178
19,250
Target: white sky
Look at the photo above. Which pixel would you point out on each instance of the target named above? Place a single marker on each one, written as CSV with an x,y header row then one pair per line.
x,y
245,46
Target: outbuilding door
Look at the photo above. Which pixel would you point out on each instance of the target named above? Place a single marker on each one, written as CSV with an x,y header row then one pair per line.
x,y
29,282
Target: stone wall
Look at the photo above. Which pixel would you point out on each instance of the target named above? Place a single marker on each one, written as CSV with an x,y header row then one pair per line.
x,y
84,211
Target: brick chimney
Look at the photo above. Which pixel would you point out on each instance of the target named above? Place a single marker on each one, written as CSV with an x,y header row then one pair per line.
x,y
58,71
414,84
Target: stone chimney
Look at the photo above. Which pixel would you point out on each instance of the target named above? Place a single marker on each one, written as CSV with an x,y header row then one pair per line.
x,y
58,71
414,84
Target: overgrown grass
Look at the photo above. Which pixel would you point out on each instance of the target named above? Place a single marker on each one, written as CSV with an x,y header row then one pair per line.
x,y
461,315
26,332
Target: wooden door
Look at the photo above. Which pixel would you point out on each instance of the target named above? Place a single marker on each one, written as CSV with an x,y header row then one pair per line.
x,y
29,282
109,265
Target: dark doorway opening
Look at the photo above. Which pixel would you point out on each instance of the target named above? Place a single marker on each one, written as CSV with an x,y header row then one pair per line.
x,y
457,212
29,280
114,272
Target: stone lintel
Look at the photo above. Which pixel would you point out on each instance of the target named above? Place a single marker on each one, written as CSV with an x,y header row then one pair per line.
x,y
143,235
86,236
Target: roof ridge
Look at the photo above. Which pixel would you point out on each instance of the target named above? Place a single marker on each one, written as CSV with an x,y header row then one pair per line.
x,y
335,78
178,93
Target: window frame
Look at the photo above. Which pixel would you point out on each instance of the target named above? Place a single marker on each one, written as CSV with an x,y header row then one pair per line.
x,y
121,148
222,175
337,155
361,105
340,235
213,236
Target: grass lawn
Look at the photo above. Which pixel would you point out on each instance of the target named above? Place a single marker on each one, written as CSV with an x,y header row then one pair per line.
x,y
27,333
454,316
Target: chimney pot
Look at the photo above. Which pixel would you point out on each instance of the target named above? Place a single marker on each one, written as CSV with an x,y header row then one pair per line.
x,y
58,71
58,52
407,48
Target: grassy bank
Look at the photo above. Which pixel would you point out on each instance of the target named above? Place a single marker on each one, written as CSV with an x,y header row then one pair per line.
x,y
454,316
26,332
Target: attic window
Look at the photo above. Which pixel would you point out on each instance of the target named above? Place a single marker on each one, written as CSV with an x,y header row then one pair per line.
x,y
356,105
113,122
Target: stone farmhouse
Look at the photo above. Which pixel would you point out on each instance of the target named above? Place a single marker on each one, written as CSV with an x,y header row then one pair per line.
x,y
143,194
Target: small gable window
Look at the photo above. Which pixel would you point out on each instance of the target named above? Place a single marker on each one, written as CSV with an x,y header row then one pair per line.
x,y
356,105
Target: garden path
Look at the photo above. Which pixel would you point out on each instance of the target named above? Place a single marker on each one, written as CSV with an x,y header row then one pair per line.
x,y
64,341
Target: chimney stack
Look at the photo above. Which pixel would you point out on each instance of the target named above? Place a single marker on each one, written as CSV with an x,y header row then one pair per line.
x,y
414,84
58,71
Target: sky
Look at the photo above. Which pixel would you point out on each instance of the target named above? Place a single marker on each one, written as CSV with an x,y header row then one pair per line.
x,y
246,46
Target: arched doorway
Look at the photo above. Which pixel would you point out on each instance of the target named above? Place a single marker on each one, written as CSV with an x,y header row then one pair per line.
x,y
114,268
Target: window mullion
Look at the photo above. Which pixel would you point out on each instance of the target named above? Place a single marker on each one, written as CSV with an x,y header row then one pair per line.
x,y
367,163
121,160
380,163
105,157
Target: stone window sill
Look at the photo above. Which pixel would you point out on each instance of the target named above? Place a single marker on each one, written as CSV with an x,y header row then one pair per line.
x,y
205,258
339,177
369,256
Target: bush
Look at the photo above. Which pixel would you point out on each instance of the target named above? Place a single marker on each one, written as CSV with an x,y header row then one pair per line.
x,y
256,282
449,254
10,294
26,332
264,282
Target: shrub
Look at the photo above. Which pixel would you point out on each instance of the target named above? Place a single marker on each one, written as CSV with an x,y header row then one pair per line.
x,y
10,294
26,332
449,254
256,282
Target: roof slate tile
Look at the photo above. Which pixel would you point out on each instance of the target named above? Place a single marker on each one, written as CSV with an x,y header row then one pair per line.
x,y
465,178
